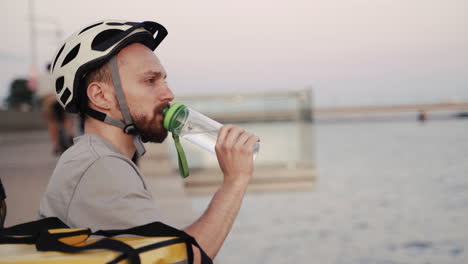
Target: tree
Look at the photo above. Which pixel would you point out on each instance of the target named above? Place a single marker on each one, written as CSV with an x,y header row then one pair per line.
x,y
19,95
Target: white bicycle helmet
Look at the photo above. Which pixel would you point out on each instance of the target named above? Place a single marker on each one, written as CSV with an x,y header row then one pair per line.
x,y
87,50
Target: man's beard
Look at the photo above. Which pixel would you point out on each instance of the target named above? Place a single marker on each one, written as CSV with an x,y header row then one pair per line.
x,y
151,130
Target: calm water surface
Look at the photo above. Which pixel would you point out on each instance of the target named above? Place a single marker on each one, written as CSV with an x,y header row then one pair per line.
x,y
387,192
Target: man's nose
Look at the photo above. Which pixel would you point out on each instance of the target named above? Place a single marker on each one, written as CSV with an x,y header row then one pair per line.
x,y
167,95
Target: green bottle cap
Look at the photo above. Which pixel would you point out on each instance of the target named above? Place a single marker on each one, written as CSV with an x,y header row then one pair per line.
x,y
170,121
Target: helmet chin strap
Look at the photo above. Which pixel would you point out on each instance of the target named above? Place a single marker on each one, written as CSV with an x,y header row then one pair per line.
x,y
127,126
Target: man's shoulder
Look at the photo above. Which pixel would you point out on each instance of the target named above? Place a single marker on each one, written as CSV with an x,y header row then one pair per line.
x,y
89,151
93,145
83,170
100,157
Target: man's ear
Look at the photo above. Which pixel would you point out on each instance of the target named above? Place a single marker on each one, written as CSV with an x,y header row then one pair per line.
x,y
99,95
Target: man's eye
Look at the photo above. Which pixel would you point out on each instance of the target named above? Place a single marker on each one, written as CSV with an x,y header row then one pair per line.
x,y
150,80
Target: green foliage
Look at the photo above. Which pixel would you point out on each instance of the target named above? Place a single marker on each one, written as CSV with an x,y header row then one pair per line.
x,y
19,95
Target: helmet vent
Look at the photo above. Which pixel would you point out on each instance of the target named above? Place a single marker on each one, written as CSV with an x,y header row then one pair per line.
x,y
115,24
66,94
59,84
86,28
58,55
105,39
71,55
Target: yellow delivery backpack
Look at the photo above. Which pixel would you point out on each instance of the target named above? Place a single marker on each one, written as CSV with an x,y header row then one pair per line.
x,y
51,241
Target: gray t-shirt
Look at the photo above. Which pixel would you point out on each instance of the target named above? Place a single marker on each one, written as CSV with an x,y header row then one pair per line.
x,y
94,185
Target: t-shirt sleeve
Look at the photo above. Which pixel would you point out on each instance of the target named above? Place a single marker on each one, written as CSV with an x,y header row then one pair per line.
x,y
111,195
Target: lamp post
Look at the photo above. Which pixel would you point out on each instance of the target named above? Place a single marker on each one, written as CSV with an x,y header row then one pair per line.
x,y
32,78
33,31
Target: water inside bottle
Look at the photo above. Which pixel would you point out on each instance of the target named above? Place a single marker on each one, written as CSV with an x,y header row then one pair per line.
x,y
207,140
204,139
201,130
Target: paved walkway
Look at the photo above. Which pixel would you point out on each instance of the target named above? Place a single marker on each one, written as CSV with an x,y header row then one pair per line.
x,y
26,163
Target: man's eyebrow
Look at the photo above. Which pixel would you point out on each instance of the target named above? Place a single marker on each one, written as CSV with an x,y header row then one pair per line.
x,y
157,74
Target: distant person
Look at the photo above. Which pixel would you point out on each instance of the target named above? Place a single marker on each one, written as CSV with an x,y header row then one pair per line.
x,y
422,116
3,206
109,73
59,124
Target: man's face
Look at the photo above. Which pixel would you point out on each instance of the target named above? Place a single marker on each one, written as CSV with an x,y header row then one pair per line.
x,y
146,92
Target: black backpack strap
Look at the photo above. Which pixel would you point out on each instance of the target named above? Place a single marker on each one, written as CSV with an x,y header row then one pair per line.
x,y
48,242
151,247
27,233
158,229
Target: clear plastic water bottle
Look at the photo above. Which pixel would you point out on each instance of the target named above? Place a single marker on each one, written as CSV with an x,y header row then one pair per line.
x,y
194,127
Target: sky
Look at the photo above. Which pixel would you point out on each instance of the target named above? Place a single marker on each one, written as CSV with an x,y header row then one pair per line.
x,y
350,52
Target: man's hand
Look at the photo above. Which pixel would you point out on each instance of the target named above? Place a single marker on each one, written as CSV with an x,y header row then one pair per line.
x,y
234,149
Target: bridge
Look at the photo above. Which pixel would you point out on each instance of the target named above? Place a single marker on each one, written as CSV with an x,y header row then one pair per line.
x,y
296,105
308,113
332,111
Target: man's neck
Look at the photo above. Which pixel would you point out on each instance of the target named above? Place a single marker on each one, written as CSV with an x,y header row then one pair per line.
x,y
123,142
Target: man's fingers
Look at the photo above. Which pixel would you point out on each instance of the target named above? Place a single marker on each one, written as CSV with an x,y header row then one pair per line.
x,y
223,133
252,141
233,136
243,138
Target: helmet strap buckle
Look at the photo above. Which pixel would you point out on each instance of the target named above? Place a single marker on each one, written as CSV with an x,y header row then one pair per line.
x,y
130,129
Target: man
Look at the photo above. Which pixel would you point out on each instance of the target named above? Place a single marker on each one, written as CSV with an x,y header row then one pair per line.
x,y
109,72
59,124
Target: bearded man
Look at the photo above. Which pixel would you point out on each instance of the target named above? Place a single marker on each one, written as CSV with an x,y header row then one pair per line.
x,y
109,73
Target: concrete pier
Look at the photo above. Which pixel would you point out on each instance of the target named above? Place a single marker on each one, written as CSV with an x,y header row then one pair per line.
x,y
265,179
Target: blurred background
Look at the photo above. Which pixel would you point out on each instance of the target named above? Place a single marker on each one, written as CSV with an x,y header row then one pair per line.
x,y
361,105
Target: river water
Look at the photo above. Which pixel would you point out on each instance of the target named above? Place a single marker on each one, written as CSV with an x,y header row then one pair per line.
x,y
387,192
